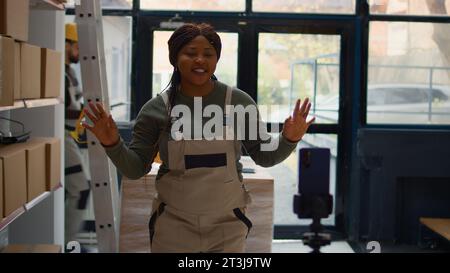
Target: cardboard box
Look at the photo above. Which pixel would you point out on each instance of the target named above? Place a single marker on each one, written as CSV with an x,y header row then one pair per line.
x,y
14,178
17,95
53,161
16,249
6,71
30,67
14,18
47,249
32,249
35,166
51,69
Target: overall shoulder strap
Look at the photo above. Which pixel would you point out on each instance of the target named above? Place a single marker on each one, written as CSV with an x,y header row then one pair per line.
x,y
165,96
228,95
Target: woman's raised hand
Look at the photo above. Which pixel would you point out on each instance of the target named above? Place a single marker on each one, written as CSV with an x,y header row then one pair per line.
x,y
104,127
295,126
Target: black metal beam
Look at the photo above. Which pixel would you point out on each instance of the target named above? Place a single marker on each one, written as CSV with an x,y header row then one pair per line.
x,y
107,12
249,15
143,67
315,128
410,18
134,58
248,60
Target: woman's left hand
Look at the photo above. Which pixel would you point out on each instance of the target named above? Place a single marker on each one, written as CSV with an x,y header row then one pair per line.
x,y
295,126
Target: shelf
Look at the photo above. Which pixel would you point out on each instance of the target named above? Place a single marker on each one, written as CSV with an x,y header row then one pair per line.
x,y
47,4
13,216
10,218
44,117
17,104
36,200
42,102
32,103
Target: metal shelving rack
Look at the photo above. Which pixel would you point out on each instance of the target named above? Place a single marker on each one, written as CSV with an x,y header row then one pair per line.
x,y
26,207
40,221
18,104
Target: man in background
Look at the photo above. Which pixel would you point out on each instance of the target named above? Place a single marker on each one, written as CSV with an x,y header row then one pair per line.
x,y
77,183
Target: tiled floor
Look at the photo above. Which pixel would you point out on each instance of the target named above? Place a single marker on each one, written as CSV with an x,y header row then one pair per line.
x,y
296,246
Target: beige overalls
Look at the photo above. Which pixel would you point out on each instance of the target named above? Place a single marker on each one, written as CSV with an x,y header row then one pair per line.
x,y
200,203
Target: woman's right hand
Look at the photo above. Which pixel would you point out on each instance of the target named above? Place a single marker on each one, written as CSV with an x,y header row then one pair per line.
x,y
105,129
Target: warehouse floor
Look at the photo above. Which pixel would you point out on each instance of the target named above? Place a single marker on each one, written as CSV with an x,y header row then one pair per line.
x,y
282,246
296,246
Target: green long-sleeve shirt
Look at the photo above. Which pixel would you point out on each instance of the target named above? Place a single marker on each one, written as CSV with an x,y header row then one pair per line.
x,y
134,161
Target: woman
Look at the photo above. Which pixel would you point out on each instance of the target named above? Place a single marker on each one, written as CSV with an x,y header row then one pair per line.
x,y
201,200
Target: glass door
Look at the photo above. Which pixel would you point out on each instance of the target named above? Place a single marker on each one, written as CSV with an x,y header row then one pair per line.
x,y
292,66
299,59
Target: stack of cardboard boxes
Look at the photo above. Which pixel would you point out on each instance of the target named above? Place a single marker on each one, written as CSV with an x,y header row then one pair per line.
x,y
27,170
26,71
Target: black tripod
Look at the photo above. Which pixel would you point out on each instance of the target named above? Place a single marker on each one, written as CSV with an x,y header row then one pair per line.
x,y
315,207
315,239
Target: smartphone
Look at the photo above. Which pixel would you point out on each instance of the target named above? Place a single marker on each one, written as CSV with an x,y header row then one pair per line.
x,y
314,171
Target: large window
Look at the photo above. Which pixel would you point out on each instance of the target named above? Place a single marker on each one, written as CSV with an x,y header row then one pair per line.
x,y
410,7
226,70
117,42
409,73
292,66
198,5
304,6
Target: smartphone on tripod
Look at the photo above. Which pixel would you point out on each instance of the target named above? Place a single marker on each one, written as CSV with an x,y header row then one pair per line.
x,y
313,200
